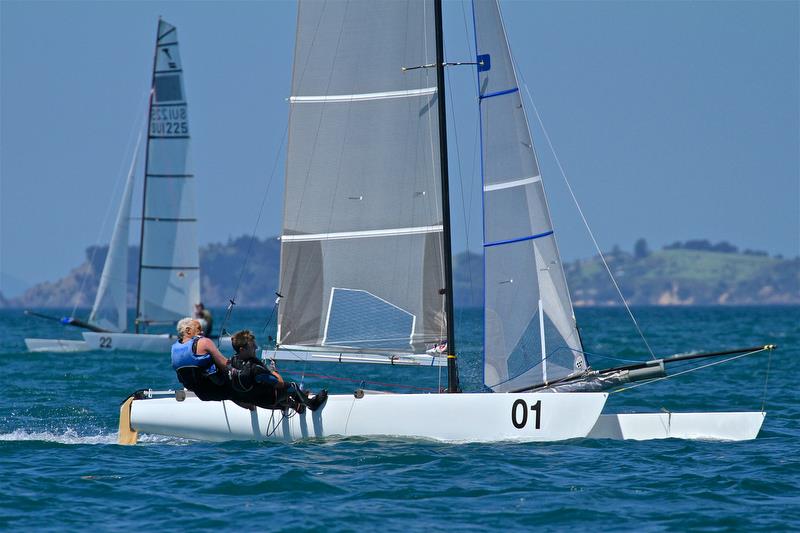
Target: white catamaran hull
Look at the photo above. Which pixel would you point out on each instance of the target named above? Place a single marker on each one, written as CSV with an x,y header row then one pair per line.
x,y
138,342
55,345
693,426
480,417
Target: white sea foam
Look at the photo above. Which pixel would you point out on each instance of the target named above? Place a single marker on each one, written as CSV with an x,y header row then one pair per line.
x,y
69,436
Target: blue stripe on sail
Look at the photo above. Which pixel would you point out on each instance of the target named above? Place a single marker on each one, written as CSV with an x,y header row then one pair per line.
x,y
499,93
520,239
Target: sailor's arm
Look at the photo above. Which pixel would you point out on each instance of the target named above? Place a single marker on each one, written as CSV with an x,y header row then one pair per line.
x,y
205,345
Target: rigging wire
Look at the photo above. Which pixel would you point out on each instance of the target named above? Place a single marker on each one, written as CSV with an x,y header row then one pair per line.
x,y
232,301
138,126
585,222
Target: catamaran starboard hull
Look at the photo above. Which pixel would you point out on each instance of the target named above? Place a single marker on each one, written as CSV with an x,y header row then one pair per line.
x,y
734,426
479,417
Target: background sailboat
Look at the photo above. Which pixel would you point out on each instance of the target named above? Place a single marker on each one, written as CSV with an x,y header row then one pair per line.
x,y
169,264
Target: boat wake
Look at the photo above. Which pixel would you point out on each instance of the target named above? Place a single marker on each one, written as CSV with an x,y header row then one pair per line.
x,y
70,436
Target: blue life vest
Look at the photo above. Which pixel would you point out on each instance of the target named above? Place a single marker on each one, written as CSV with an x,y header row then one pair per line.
x,y
183,356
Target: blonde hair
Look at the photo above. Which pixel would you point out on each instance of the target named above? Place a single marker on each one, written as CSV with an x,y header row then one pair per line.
x,y
184,324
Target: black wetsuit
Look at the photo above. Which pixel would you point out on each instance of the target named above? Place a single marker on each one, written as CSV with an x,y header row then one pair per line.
x,y
252,382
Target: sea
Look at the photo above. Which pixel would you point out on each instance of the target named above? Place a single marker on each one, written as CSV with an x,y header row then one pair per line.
x,y
62,469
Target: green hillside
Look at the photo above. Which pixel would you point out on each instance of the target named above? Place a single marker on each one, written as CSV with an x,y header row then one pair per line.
x,y
686,277
694,273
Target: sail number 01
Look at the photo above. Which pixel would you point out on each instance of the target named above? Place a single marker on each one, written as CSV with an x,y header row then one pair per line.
x,y
519,417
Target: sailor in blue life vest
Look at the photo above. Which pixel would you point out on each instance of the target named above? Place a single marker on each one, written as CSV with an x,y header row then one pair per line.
x,y
253,382
200,366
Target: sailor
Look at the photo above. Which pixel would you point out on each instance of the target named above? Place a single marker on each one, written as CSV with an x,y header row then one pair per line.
x,y
200,366
253,382
203,315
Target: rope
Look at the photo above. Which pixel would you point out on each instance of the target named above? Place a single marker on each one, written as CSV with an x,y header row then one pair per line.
x,y
690,370
382,384
585,222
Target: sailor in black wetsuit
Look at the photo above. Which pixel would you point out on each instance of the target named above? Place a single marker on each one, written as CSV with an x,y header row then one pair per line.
x,y
253,382
200,366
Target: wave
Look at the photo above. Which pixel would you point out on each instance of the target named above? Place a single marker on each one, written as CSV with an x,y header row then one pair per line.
x,y
70,436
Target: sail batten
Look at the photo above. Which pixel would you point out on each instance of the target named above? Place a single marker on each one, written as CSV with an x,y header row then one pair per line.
x,y
362,234
427,91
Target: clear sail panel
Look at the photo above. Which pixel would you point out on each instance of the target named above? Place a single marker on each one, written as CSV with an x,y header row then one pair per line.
x,y
523,346
361,252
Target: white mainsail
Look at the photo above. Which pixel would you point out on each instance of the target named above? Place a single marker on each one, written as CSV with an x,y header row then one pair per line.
x,y
361,249
169,276
110,309
523,271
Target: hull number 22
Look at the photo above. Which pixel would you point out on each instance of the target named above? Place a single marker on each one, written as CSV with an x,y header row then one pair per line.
x,y
519,413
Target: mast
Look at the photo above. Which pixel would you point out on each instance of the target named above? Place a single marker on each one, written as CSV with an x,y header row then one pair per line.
x,y
452,368
144,181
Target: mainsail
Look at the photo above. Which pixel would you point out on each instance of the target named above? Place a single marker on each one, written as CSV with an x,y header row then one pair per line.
x,y
530,331
110,309
169,277
361,247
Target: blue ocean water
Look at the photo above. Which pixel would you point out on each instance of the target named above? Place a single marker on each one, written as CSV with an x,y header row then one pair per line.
x,y
60,466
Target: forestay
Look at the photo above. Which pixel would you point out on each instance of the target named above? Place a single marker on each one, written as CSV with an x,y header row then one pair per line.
x,y
530,331
169,280
110,309
361,248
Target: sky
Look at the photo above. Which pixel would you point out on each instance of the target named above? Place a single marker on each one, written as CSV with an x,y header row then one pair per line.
x,y
672,120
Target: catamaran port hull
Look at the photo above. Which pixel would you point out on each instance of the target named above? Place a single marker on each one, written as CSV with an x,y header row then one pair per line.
x,y
140,342
55,345
479,417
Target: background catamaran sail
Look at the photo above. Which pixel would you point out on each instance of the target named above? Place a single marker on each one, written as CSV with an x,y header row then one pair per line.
x,y
169,275
530,331
110,309
361,248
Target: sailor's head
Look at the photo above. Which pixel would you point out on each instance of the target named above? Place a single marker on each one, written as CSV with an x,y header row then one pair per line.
x,y
189,327
244,344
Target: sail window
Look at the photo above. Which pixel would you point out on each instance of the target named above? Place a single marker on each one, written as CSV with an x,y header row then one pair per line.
x,y
168,88
360,319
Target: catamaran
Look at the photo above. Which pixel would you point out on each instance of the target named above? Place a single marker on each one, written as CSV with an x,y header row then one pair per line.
x,y
366,274
169,263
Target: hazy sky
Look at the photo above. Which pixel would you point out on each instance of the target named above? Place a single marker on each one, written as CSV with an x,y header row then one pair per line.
x,y
673,120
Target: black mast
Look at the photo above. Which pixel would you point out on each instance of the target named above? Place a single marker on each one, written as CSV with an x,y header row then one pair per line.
x,y
144,187
452,368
